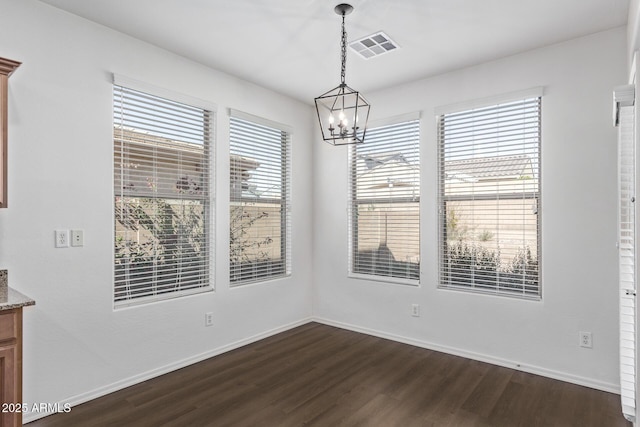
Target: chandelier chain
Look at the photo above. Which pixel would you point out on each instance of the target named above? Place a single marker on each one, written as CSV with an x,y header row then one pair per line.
x,y
343,42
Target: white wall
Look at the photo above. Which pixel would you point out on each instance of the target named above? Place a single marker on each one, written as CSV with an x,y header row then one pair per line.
x,y
77,346
633,29
578,223
60,146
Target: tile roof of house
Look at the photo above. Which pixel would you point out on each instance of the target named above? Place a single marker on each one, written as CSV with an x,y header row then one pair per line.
x,y
489,167
132,136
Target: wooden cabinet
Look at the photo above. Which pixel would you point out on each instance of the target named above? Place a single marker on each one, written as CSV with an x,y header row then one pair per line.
x,y
11,365
7,66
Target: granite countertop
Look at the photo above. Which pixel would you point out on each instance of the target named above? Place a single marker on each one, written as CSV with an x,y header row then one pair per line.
x,y
10,298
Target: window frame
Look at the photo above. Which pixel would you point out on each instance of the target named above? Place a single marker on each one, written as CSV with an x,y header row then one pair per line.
x,y
354,202
536,196
284,201
7,67
209,111
624,119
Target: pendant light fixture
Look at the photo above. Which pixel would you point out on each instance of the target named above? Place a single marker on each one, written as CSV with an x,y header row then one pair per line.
x,y
343,112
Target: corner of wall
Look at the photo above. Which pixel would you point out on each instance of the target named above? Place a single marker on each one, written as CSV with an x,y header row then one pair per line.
x,y
633,23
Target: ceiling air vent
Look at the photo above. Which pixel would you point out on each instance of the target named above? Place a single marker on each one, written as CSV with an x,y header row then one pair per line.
x,y
373,45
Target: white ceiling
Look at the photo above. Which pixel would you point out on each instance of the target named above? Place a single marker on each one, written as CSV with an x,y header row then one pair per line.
x,y
293,46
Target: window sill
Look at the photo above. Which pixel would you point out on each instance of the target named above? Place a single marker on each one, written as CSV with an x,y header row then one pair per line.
x,y
136,302
492,293
244,283
384,279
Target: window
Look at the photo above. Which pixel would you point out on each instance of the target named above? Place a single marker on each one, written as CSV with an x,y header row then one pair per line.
x,y
162,170
626,244
489,202
260,168
385,203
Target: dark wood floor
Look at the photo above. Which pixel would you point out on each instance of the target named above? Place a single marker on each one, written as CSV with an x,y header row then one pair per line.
x,y
317,375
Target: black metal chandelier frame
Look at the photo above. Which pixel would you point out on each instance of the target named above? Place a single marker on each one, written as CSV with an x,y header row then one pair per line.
x,y
343,112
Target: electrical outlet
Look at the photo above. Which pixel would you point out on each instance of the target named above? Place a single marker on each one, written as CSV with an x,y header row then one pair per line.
x,y
415,310
62,238
77,238
208,319
585,339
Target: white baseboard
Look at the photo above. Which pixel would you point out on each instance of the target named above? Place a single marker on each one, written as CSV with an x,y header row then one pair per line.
x,y
562,376
128,382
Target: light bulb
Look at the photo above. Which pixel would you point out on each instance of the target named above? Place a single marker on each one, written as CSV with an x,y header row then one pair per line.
x,y
331,119
341,115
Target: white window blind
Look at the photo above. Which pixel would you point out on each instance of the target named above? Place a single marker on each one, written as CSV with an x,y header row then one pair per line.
x,y
626,256
260,167
489,198
162,170
384,207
